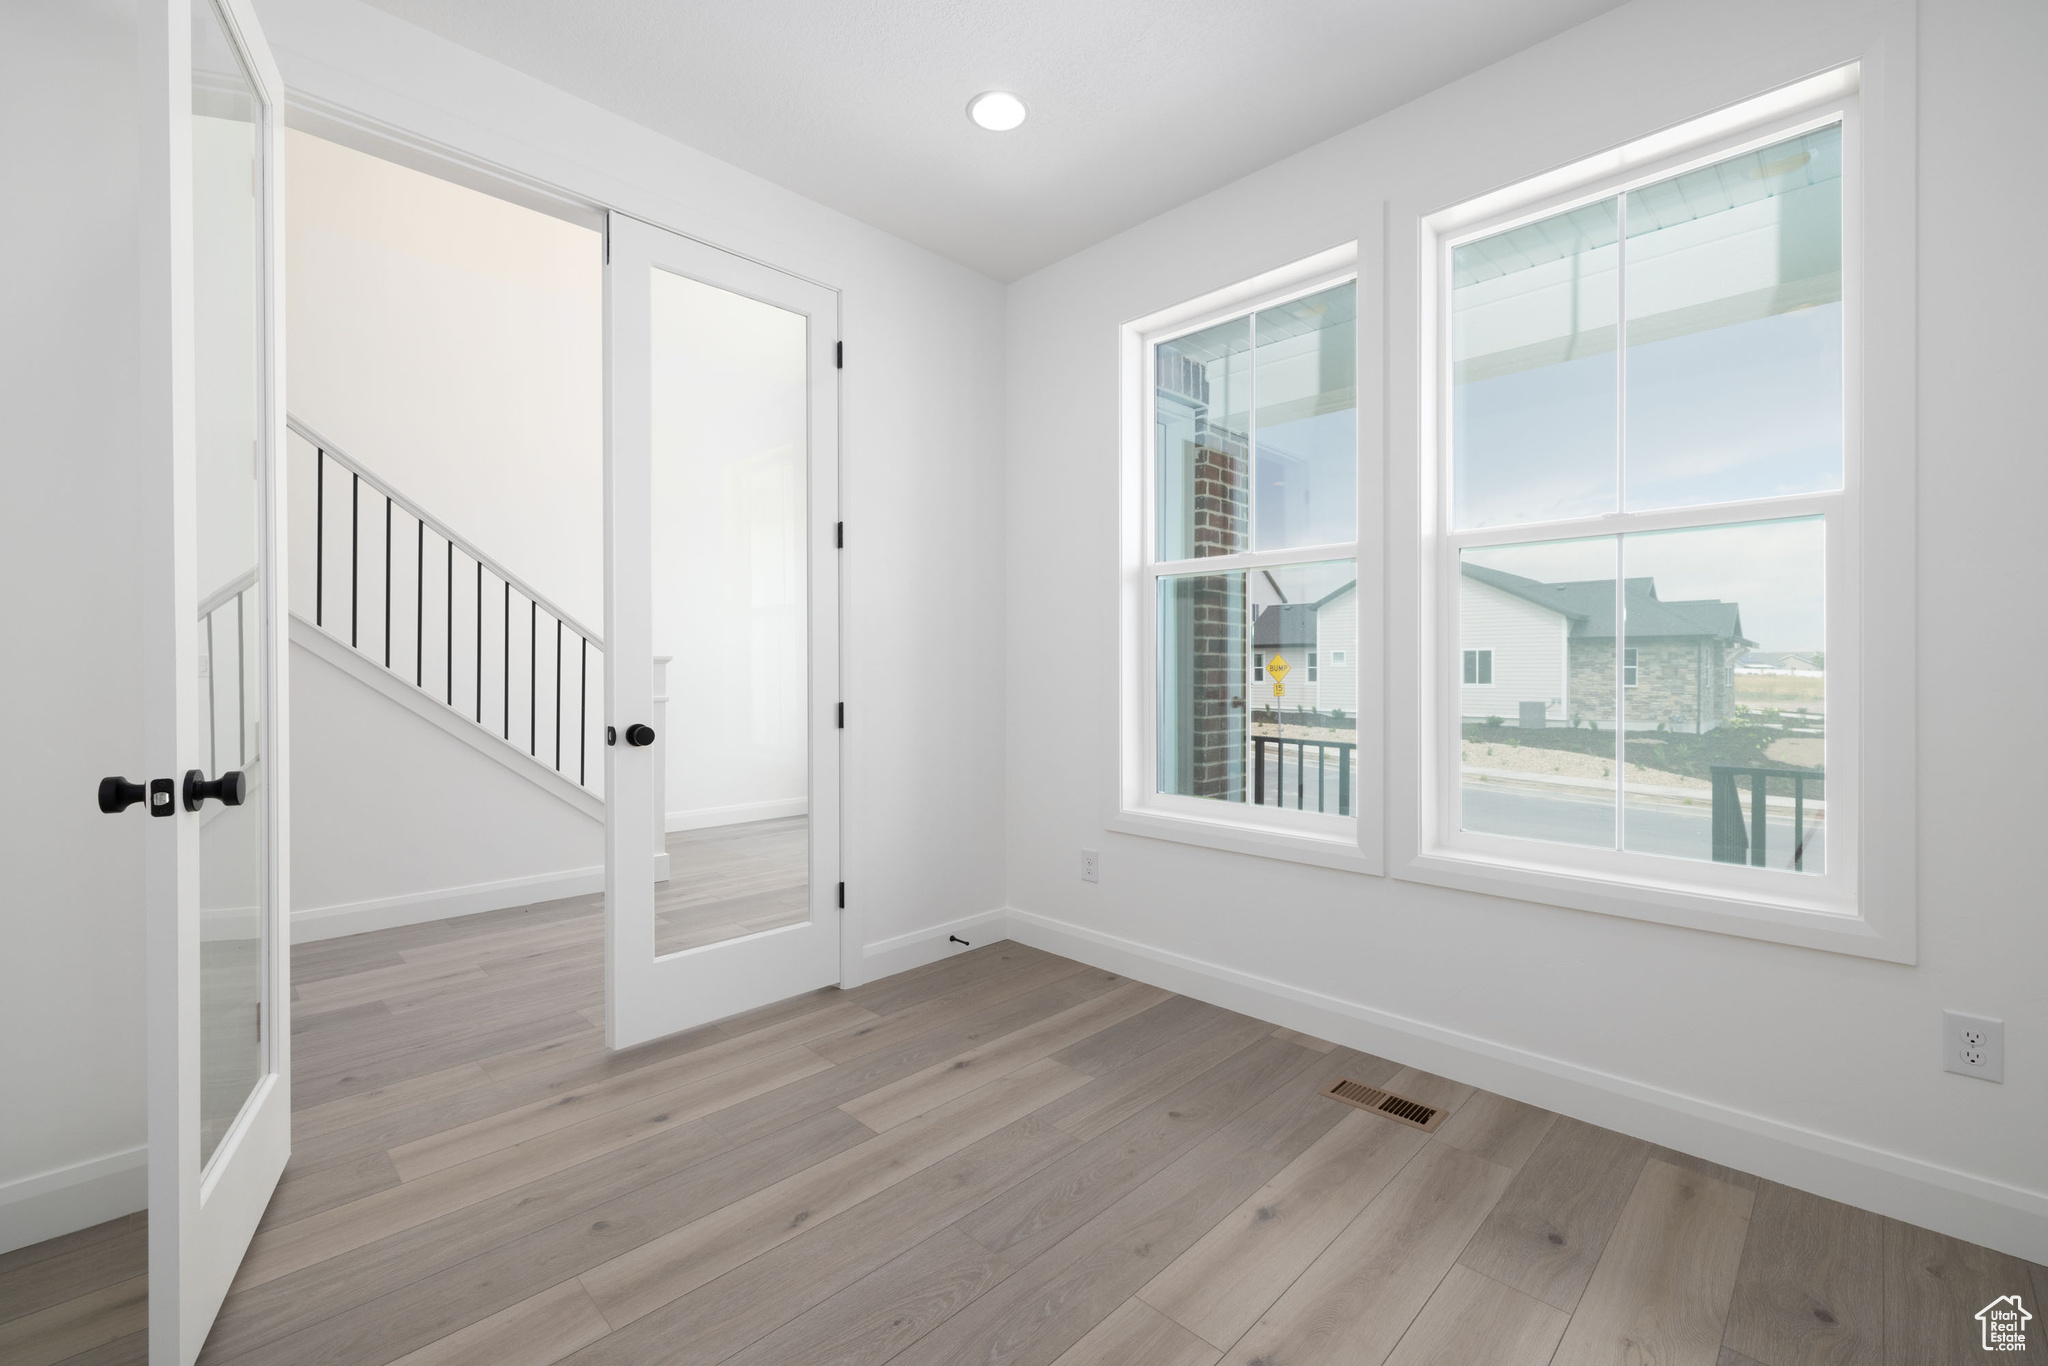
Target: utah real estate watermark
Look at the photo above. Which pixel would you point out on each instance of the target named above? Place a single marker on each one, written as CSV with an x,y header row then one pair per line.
x,y
2005,1324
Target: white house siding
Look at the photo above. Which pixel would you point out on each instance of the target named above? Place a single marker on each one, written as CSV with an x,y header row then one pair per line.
x,y
1337,632
1528,644
1336,686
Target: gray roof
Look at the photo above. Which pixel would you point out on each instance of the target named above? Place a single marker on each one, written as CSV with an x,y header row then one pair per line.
x,y
1292,625
1588,605
1284,626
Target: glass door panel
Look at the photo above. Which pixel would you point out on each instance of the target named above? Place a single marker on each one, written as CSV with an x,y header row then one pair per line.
x,y
228,412
729,596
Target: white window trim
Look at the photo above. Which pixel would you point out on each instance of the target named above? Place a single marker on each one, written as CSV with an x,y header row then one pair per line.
x,y
1630,665
1354,843
1475,651
1866,905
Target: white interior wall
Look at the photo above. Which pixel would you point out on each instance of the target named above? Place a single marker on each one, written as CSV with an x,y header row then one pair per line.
x,y
1814,1068
921,425
397,821
71,981
452,343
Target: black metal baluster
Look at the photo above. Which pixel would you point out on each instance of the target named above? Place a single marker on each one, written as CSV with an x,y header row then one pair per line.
x,y
1300,764
583,719
355,548
450,624
533,678
479,642
506,675
319,530
387,580
419,605
558,694
1759,803
212,711
241,687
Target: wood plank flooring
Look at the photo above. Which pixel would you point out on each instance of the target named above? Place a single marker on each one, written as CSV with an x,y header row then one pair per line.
x,y
732,880
1003,1158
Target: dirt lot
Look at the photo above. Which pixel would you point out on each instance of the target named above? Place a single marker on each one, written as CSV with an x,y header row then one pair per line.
x,y
1566,763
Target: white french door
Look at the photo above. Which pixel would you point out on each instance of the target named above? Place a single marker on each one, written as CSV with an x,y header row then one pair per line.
x,y
213,802
721,497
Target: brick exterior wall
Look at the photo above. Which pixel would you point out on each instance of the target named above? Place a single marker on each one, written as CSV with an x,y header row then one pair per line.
x,y
1219,624
1681,683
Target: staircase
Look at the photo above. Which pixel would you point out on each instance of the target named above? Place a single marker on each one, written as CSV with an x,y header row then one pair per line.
x,y
390,594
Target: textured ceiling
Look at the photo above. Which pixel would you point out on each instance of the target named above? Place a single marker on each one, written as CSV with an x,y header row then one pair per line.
x,y
1136,105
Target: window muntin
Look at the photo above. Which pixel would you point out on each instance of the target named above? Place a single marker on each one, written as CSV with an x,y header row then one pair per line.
x,y
1479,668
1253,541
1709,319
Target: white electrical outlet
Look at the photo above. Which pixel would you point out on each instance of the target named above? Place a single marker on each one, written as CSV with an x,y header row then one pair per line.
x,y
1091,866
1973,1046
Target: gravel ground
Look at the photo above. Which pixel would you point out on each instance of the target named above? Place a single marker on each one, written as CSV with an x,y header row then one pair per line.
x,y
1527,759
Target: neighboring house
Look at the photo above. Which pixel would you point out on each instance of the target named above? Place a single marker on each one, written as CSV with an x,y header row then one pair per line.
x,y
1319,641
1526,641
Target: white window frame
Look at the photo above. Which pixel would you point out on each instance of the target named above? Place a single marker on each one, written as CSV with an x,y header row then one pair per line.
x,y
1631,671
1475,651
1354,842
1864,904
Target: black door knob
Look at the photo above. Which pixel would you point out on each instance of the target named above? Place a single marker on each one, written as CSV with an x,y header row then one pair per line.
x,y
229,788
118,794
639,733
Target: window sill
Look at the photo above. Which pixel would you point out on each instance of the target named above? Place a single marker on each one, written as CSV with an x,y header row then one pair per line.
x,y
1807,926
1238,837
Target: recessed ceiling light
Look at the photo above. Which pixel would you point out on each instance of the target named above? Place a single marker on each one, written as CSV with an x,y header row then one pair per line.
x,y
996,110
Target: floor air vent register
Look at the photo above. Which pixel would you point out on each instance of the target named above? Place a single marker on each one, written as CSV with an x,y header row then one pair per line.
x,y
1397,1108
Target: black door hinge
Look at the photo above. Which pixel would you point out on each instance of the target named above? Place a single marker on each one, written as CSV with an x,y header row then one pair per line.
x,y
842,896
839,536
838,355
842,716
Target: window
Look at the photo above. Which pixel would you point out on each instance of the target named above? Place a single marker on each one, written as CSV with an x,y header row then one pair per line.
x,y
1337,658
1654,419
1665,360
1250,535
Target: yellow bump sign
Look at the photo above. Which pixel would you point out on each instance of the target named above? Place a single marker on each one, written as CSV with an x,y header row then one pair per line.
x,y
1279,669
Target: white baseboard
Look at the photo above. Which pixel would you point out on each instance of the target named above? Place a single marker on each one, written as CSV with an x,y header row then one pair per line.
x,y
1957,1203
886,957
51,1204
705,817
384,913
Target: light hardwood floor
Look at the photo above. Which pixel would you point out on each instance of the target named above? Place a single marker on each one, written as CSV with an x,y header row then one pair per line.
x,y
732,880
1005,1157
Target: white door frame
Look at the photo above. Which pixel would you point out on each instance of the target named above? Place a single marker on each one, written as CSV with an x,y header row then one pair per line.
x,y
646,996
201,1221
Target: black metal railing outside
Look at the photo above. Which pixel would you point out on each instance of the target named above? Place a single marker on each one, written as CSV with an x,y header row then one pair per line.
x,y
1733,843
1332,769
441,615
